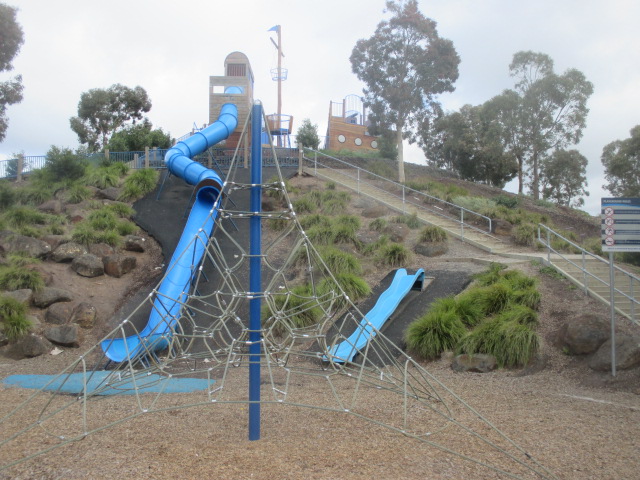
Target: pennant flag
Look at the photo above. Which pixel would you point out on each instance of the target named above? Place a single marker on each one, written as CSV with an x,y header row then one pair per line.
x,y
275,28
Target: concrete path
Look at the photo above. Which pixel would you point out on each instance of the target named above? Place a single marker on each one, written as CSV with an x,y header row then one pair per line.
x,y
586,272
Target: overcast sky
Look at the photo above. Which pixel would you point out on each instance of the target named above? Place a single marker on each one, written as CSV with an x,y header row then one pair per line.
x,y
171,48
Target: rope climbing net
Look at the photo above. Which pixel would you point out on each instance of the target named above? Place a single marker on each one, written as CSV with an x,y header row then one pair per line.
x,y
203,350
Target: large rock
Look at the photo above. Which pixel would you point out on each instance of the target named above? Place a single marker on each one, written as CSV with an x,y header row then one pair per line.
x,y
583,335
101,249
48,296
23,296
65,335
67,252
84,315
88,266
56,240
501,227
397,232
51,206
627,354
118,265
374,210
59,313
111,193
431,249
30,345
135,243
12,243
479,363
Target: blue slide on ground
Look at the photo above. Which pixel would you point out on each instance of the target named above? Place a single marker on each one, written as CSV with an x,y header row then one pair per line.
x,y
387,303
175,287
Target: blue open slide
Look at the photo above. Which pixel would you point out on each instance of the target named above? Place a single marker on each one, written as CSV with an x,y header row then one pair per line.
x,y
387,303
175,287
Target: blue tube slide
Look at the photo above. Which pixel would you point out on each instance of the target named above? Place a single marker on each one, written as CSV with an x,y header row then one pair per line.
x,y
175,287
387,303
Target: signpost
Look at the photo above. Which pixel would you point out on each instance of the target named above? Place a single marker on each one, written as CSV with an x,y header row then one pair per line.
x,y
620,230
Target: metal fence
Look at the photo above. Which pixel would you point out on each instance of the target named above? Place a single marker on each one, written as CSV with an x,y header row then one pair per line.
x,y
409,197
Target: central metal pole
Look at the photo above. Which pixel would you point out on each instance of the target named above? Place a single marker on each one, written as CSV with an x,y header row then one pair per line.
x,y
255,273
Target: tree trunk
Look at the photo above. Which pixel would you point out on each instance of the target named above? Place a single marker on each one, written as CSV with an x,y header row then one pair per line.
x,y
400,154
520,175
535,184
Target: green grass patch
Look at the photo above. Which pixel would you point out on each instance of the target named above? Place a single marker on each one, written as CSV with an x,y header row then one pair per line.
x,y
378,225
339,262
434,333
432,234
19,277
393,255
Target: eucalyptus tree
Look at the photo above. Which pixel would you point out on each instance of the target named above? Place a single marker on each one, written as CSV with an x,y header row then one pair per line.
x,y
621,161
544,112
101,112
563,178
11,39
404,65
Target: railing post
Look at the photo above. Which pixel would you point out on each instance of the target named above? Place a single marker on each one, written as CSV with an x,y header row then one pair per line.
x,y
404,210
358,170
584,272
315,164
462,223
20,167
548,247
146,157
300,155
136,159
106,154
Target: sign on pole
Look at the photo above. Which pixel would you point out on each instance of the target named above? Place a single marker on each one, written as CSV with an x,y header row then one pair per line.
x,y
620,226
620,231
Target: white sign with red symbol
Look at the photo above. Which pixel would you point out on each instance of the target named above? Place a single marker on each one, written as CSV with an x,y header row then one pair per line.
x,y
620,224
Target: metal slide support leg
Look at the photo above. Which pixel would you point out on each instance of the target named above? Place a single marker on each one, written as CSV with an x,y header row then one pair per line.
x,y
255,274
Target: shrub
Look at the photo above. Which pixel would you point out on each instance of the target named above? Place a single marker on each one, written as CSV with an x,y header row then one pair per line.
x,y
412,221
378,225
21,259
84,234
17,278
468,310
119,168
330,185
508,201
125,227
524,235
7,195
494,298
130,193
393,255
481,205
333,206
434,333
304,205
374,247
63,163
102,219
309,221
102,177
110,237
78,193
491,275
350,221
339,262
13,316
520,314
19,216
321,234
139,184
122,210
354,287
432,234
344,234
296,309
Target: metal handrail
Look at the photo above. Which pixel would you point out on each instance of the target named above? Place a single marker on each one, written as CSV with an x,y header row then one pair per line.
x,y
546,241
405,191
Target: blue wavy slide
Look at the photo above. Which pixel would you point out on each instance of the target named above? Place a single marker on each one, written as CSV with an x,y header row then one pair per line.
x,y
175,287
387,303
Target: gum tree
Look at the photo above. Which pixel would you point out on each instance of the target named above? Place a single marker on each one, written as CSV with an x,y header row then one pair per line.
x,y
101,112
621,161
563,178
404,66
11,39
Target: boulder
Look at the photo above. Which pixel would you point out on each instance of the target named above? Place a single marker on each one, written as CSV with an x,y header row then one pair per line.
x,y
88,266
374,210
30,345
67,252
397,232
56,240
59,313
101,249
134,243
431,249
11,242
583,335
84,315
51,206
3,339
118,265
48,296
501,227
111,193
65,335
23,295
627,354
479,363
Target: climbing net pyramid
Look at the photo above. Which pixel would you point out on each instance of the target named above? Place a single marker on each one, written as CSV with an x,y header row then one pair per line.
x,y
305,314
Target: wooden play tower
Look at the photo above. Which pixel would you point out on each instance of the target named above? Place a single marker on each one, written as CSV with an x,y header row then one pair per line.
x,y
347,126
238,73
